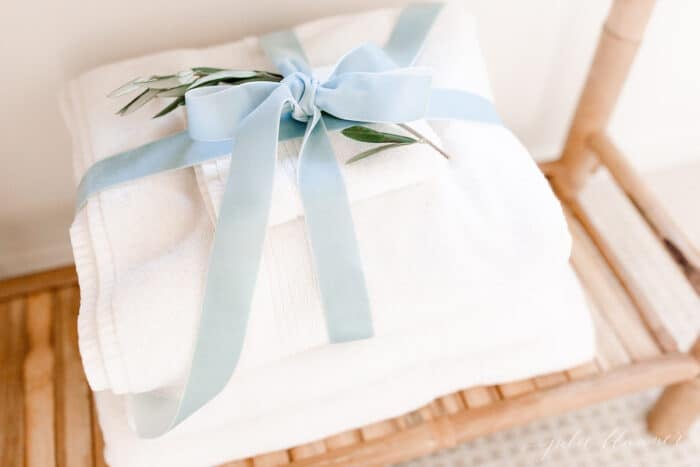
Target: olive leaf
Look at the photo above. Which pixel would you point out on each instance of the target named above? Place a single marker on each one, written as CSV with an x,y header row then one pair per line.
x,y
174,92
138,101
389,140
126,88
170,107
168,83
232,75
206,69
368,135
375,150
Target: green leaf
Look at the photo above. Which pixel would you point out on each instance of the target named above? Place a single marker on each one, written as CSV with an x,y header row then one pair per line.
x,y
207,70
138,101
150,79
373,151
225,75
247,80
185,74
126,88
155,82
368,135
171,81
174,92
267,75
170,107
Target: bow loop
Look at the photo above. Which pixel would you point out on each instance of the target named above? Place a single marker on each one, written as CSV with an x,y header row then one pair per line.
x,y
395,96
290,66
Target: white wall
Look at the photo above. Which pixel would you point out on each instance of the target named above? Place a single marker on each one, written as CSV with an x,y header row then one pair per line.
x,y
537,53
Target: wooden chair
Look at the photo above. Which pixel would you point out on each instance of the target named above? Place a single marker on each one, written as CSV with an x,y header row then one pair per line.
x,y
47,416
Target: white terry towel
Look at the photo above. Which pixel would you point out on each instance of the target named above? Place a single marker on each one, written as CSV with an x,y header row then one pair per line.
x,y
457,256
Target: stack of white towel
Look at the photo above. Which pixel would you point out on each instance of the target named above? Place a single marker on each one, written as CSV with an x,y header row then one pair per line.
x,y
466,265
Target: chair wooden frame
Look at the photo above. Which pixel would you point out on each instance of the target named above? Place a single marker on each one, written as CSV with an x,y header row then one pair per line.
x,y
46,409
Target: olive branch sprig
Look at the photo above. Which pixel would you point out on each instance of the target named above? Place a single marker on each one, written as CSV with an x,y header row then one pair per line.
x,y
176,85
387,140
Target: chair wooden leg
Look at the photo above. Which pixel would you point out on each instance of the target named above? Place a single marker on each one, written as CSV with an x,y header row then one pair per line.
x,y
617,47
677,408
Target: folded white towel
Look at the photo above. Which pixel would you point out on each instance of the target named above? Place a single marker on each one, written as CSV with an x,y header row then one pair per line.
x,y
520,333
454,255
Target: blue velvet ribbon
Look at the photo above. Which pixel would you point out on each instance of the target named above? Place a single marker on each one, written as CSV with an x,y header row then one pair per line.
x,y
369,84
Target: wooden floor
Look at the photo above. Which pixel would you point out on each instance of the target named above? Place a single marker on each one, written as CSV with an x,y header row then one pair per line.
x,y
46,410
48,417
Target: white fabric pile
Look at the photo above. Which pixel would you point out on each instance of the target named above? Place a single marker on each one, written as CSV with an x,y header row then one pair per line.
x,y
466,263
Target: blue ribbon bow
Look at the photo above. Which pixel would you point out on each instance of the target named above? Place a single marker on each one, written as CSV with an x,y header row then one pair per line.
x,y
369,84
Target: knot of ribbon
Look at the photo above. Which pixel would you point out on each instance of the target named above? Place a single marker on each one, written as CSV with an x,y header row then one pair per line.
x,y
303,88
369,84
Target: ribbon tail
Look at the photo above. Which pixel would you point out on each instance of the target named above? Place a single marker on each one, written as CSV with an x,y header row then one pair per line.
x,y
409,33
285,51
332,238
233,270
